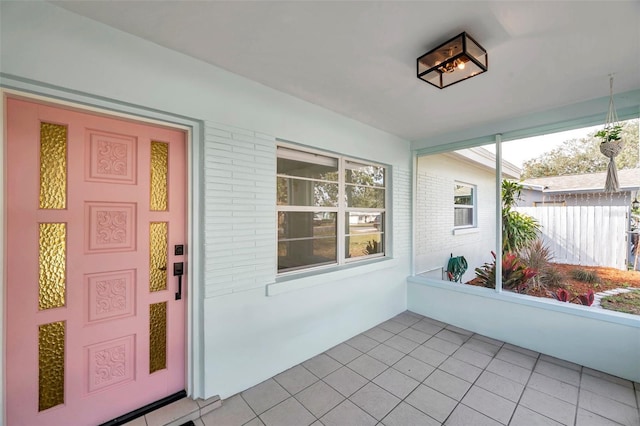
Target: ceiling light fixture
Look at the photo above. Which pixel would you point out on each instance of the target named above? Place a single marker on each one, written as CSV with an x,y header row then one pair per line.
x,y
453,61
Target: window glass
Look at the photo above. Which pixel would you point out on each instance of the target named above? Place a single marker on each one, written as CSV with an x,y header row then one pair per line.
x,y
328,206
299,192
365,197
306,239
364,233
361,174
463,194
464,201
463,217
302,164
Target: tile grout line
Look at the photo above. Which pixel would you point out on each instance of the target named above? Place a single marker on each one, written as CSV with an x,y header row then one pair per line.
x,y
636,388
575,417
474,382
419,382
389,367
533,369
466,339
348,398
401,400
294,395
250,407
605,397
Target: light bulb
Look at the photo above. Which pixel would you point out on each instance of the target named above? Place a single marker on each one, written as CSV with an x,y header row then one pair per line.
x,y
461,65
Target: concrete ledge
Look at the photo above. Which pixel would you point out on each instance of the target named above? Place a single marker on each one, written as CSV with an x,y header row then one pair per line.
x,y
603,340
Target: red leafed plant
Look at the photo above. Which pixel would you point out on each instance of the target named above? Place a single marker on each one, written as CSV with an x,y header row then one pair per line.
x,y
561,294
584,299
515,274
587,299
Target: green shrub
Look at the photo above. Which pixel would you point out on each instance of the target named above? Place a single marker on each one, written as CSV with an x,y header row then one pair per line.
x,y
585,275
553,277
537,256
518,229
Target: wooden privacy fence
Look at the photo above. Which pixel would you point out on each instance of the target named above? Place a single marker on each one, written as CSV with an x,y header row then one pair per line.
x,y
584,235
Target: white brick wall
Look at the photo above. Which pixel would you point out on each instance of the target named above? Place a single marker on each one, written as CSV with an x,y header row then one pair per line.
x,y
434,239
401,225
239,209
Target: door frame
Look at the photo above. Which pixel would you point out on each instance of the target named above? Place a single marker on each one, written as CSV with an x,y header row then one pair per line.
x,y
11,86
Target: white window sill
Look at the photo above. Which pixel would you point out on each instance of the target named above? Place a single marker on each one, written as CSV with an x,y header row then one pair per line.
x,y
465,231
310,279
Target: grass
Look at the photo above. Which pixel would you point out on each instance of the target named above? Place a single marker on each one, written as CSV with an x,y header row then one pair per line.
x,y
624,302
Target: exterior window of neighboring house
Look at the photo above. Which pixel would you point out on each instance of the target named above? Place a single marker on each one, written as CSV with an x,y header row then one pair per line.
x,y
331,210
464,205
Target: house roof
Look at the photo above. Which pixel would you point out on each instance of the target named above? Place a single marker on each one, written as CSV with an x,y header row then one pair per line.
x,y
629,180
359,58
485,159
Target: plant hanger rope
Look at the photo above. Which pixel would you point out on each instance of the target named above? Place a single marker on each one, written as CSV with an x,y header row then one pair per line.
x,y
612,116
611,144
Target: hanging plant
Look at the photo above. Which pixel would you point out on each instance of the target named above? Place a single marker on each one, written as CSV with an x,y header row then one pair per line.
x,y
611,143
611,134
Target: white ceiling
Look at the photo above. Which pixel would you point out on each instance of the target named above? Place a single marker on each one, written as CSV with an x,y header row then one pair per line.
x,y
359,58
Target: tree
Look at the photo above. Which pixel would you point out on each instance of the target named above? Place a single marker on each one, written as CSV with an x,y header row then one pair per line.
x,y
579,156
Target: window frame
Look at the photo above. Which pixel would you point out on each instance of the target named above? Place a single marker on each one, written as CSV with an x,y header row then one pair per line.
x,y
473,206
341,209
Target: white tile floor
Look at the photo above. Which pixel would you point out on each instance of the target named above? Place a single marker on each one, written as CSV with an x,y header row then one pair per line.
x,y
413,370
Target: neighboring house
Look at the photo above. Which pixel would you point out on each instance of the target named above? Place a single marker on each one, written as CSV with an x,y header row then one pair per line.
x,y
456,209
569,206
580,190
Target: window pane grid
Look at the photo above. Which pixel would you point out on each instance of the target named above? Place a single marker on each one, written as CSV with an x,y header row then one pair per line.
x,y
285,240
464,205
306,192
322,221
285,176
364,186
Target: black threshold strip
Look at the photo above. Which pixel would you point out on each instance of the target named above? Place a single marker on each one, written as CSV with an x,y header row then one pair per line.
x,y
147,409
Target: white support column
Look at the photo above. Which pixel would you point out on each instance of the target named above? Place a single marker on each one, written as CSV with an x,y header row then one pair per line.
x,y
414,194
498,213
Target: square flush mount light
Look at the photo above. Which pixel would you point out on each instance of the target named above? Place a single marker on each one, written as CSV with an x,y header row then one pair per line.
x,y
453,61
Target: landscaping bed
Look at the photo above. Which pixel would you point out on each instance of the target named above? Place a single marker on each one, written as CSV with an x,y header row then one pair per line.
x,y
624,302
609,279
578,280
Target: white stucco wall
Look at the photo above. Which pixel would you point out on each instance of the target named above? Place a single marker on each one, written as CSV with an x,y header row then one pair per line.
x,y
246,336
603,340
434,237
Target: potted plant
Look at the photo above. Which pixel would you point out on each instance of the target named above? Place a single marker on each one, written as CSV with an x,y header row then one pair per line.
x,y
609,134
610,140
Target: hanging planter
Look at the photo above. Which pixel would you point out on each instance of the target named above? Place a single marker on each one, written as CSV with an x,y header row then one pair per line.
x,y
611,143
610,147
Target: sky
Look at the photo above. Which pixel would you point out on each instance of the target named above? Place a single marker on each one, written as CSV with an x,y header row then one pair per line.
x,y
518,151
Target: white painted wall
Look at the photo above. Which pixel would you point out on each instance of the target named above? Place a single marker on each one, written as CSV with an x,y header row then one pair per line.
x,y
602,340
247,336
434,237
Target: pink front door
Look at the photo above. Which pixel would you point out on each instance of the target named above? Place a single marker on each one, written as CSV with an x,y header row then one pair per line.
x,y
95,209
